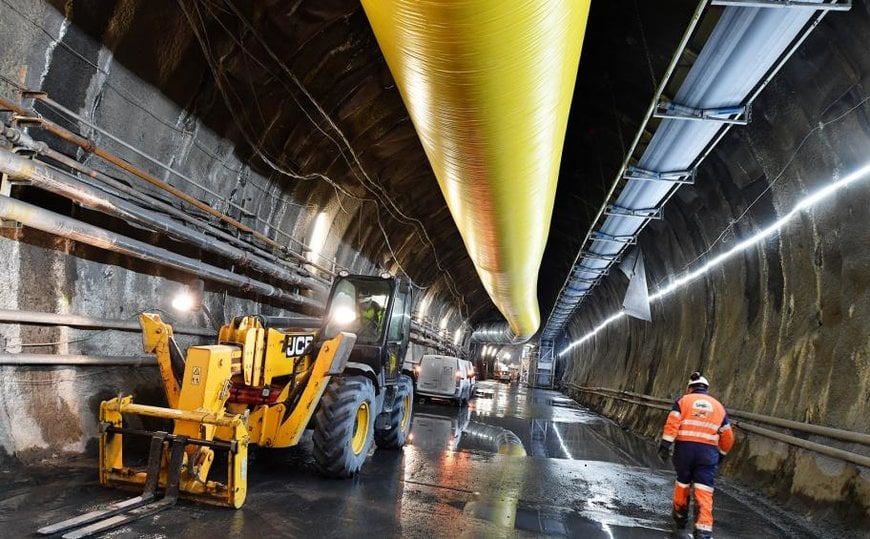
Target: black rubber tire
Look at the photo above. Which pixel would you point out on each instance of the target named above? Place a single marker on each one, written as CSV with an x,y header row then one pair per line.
x,y
335,424
400,423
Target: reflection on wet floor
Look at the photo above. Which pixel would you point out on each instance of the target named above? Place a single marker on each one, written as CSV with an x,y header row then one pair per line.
x,y
549,425
615,487
583,477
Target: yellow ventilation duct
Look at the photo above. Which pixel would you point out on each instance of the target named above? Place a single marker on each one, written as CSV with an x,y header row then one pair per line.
x,y
488,85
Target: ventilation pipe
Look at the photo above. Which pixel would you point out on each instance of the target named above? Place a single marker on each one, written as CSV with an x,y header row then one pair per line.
x,y
488,85
496,439
496,333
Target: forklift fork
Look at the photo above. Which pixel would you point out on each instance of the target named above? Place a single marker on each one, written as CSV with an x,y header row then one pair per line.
x,y
122,512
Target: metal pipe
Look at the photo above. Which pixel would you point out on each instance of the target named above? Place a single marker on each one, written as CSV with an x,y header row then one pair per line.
x,y
43,97
90,147
848,456
72,320
841,454
809,428
58,360
40,219
18,137
46,178
624,399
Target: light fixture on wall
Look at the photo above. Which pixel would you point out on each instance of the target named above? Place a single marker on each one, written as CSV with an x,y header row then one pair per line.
x,y
190,299
684,279
318,236
183,301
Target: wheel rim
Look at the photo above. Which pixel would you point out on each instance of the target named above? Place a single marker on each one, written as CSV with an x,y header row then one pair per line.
x,y
406,411
360,428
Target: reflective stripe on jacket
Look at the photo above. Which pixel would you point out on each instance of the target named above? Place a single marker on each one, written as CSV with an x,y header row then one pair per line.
x,y
698,417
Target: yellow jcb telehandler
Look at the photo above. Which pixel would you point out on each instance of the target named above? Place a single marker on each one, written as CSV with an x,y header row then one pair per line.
x,y
264,386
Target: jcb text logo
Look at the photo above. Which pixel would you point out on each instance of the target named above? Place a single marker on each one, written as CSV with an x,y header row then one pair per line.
x,y
295,345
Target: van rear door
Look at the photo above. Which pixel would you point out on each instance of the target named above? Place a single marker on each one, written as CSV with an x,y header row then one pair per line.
x,y
447,384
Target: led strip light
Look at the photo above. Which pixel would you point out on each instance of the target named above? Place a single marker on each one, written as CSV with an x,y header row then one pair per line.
x,y
716,261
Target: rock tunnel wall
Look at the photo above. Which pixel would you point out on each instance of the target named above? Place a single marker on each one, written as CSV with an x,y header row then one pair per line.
x,y
46,411
780,329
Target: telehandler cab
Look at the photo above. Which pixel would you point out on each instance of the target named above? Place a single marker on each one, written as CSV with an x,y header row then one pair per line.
x,y
262,385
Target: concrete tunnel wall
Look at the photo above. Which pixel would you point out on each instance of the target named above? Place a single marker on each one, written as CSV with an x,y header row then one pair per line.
x,y
47,411
781,329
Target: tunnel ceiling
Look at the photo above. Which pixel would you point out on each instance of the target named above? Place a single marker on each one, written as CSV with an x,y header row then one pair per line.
x,y
302,89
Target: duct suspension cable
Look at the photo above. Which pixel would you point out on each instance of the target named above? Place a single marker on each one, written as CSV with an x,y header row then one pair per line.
x,y
67,227
50,180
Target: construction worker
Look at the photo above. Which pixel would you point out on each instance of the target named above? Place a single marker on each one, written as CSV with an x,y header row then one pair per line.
x,y
699,429
371,318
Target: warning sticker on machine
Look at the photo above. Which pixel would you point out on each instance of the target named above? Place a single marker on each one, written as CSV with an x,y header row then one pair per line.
x,y
195,376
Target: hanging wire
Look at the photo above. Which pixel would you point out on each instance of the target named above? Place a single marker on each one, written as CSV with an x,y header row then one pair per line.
x,y
381,197
649,62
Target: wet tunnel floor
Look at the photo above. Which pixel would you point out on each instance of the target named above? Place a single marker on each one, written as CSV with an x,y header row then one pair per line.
x,y
583,477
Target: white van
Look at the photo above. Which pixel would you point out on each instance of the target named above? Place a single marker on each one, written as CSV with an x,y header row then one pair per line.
x,y
445,377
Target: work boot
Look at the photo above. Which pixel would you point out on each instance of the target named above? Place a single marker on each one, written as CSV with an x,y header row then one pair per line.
x,y
679,520
700,534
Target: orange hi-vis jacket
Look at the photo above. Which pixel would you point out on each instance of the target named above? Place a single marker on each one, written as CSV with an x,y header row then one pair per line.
x,y
698,417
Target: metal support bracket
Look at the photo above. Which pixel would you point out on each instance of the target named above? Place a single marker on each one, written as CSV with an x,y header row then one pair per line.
x,y
589,255
623,240
675,176
6,190
599,271
645,213
585,280
739,114
577,287
828,6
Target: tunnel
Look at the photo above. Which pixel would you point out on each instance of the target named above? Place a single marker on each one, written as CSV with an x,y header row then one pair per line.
x,y
434,269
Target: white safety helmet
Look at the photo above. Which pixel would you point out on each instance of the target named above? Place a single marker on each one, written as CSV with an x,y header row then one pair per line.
x,y
696,381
